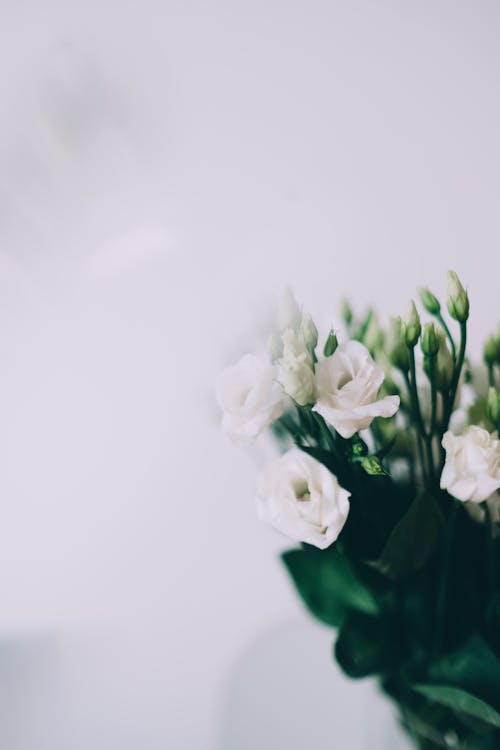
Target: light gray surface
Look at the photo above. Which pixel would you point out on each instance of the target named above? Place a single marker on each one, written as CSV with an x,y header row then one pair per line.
x,y
165,168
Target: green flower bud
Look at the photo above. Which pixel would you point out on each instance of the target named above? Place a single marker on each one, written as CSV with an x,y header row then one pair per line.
x,y
493,406
430,340
430,301
372,466
330,344
346,312
458,299
389,388
374,336
491,350
444,367
412,326
359,447
397,351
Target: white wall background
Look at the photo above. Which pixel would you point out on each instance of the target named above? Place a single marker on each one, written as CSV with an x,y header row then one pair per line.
x,y
165,169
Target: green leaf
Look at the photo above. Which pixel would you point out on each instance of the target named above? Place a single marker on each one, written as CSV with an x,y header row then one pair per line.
x,y
460,701
358,648
474,667
413,539
327,584
418,726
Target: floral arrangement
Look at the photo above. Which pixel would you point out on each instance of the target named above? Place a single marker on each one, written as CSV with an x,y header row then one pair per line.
x,y
388,480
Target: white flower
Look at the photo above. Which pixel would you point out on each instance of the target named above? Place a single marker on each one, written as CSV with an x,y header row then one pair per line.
x,y
249,397
309,333
296,369
347,384
302,499
472,467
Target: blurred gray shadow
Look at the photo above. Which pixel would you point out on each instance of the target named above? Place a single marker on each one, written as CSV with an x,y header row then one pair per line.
x,y
30,677
286,692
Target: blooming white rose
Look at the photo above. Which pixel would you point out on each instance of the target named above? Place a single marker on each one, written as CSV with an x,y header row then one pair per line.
x,y
472,466
296,369
249,397
302,499
347,384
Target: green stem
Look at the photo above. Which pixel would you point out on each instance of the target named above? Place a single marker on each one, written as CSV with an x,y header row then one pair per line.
x,y
414,392
450,337
418,434
490,550
491,375
441,598
432,379
432,429
422,436
325,432
456,375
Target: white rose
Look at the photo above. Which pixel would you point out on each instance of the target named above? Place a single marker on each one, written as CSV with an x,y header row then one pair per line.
x,y
296,369
302,499
472,466
250,398
347,384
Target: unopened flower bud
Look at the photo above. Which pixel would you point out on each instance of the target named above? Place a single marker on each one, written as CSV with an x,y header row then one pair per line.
x,y
430,302
346,312
330,344
374,336
491,350
430,340
445,366
493,406
458,299
309,333
412,326
396,346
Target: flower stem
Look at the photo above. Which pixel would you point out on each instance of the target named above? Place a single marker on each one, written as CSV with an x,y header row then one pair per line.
x,y
423,438
491,375
456,376
418,434
448,333
443,582
414,392
490,550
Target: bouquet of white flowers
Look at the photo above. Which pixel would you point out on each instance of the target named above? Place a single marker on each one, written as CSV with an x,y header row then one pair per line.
x,y
389,479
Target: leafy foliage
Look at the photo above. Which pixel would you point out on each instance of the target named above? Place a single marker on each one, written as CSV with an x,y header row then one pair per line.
x,y
412,584
328,585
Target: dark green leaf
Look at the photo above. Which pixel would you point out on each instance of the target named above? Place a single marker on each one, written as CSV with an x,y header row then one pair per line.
x,y
358,648
325,457
412,541
474,667
327,584
460,702
421,728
